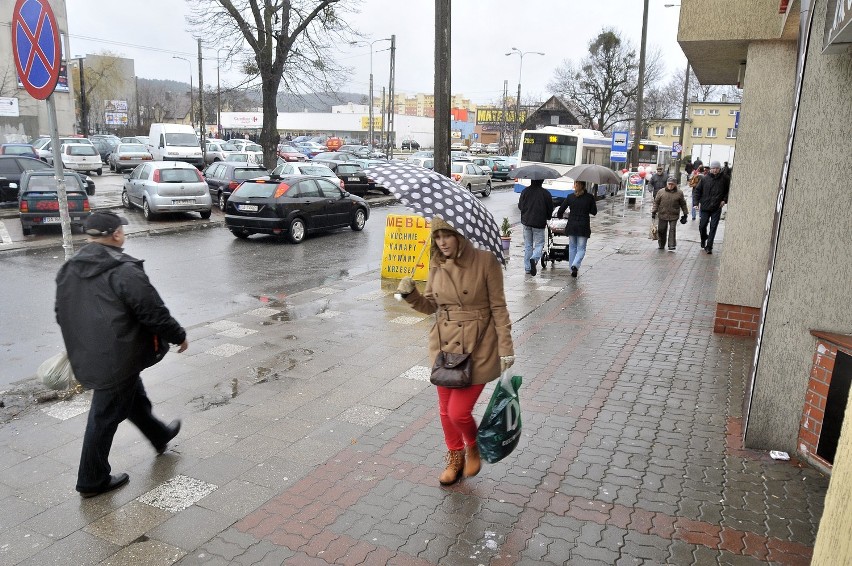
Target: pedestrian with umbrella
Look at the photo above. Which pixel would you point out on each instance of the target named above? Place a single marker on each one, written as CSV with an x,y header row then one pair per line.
x,y
536,206
464,290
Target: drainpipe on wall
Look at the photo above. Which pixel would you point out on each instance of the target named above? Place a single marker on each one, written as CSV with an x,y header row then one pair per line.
x,y
806,16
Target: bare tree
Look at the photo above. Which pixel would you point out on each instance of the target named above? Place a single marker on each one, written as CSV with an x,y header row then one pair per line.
x,y
8,81
603,86
103,79
289,41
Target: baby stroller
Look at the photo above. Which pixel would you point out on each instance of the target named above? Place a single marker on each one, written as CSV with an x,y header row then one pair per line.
x,y
555,242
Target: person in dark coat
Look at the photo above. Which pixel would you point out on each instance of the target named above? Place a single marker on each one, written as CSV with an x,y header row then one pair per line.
x,y
657,182
581,205
536,205
114,325
711,194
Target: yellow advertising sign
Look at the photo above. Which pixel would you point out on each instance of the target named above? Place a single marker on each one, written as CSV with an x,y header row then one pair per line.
x,y
365,122
406,237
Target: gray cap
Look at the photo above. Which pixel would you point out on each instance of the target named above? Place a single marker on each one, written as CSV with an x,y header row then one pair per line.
x,y
103,223
671,179
715,165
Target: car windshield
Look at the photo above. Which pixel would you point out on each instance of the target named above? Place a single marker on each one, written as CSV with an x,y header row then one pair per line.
x,y
317,170
241,157
80,149
132,147
18,150
48,183
348,169
256,189
252,147
226,147
288,149
243,174
33,165
178,175
458,168
40,143
181,140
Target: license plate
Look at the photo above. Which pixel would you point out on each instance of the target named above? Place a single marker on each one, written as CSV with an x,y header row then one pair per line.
x,y
184,201
247,207
51,220
353,179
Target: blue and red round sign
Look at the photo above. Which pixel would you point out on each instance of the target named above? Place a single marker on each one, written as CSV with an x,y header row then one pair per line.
x,y
35,47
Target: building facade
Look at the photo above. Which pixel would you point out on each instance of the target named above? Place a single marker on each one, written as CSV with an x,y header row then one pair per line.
x,y
787,261
710,131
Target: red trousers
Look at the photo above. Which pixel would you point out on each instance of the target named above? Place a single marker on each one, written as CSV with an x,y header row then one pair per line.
x,y
456,407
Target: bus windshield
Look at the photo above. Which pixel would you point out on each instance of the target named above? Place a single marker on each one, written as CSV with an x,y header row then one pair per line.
x,y
549,148
647,153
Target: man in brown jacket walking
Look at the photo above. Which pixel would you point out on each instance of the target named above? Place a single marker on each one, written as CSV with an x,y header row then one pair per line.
x,y
667,204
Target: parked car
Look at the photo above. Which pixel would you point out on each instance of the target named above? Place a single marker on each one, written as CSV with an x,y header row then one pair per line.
x,y
81,157
224,177
135,139
245,157
460,146
45,152
476,147
128,156
289,153
410,145
356,150
310,148
424,153
38,201
284,169
354,179
11,169
425,162
175,142
471,176
492,148
512,162
498,168
219,150
18,149
333,156
167,186
294,206
105,147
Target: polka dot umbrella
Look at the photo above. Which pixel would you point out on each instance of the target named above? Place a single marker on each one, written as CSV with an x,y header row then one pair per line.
x,y
431,194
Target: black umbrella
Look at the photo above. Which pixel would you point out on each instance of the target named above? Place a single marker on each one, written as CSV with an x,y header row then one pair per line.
x,y
591,173
536,173
430,194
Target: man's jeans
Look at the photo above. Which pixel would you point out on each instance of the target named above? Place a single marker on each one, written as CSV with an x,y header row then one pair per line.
x,y
533,244
576,250
713,219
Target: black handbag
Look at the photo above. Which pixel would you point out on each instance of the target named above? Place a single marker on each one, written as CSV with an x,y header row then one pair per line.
x,y
450,370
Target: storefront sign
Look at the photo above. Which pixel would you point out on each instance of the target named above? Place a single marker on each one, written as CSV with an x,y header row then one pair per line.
x,y
9,107
406,247
365,123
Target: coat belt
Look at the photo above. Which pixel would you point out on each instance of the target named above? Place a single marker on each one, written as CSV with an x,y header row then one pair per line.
x,y
463,315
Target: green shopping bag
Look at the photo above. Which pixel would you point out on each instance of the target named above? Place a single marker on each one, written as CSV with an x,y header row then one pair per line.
x,y
500,429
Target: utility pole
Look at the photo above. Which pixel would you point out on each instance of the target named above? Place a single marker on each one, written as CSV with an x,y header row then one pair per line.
x,y
384,123
138,113
637,137
391,97
443,44
84,110
503,125
203,135
682,121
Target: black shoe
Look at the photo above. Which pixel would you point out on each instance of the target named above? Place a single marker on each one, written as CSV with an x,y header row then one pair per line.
x,y
574,271
114,483
660,247
708,250
703,244
532,267
672,248
174,429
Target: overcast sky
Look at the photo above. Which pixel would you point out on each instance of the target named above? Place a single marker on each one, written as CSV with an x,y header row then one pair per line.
x,y
483,32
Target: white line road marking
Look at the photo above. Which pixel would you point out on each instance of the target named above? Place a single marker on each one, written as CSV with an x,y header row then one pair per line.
x,y
4,234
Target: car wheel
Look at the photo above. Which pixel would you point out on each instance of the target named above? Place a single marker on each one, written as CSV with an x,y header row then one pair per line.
x,y
469,188
27,231
205,214
146,210
296,233
360,220
241,234
222,202
112,168
125,199
487,190
100,172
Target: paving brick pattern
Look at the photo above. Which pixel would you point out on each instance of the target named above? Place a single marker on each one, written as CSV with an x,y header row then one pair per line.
x,y
323,449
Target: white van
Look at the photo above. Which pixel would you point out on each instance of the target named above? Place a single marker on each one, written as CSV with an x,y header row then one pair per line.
x,y
175,142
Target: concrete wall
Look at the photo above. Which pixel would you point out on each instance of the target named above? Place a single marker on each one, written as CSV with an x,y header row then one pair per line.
x,y
761,142
833,543
811,288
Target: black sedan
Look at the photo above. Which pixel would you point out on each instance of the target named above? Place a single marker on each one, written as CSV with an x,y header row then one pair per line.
x,y
225,176
293,206
11,169
354,179
38,202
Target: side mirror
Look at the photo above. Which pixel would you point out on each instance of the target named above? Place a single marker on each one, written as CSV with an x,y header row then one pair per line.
x,y
127,175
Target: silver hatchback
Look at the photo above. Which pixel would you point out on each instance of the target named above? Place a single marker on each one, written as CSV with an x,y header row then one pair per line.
x,y
128,156
167,186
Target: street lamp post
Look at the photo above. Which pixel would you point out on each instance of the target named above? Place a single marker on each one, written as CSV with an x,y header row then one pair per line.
x,y
191,116
370,43
518,101
84,112
218,97
680,154
641,88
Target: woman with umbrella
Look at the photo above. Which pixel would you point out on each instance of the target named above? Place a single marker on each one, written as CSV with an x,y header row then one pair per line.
x,y
465,290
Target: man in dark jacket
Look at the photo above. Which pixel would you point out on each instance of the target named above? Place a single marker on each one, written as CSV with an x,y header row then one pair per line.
x,y
657,181
580,206
711,194
114,325
536,204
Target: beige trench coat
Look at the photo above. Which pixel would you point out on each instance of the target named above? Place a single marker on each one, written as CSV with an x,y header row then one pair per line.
x,y
467,294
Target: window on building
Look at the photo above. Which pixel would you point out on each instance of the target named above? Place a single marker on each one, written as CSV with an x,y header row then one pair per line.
x,y
711,132
713,112
698,112
732,112
660,131
676,130
732,133
696,132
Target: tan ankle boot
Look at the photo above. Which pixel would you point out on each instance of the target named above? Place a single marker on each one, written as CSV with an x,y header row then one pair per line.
x,y
472,463
455,465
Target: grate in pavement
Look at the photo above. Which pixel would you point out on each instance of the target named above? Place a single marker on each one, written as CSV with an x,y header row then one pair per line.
x,y
178,493
264,312
237,332
65,410
223,324
417,373
226,350
407,319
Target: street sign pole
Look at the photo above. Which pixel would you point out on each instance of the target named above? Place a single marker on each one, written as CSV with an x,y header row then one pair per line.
x,y
64,217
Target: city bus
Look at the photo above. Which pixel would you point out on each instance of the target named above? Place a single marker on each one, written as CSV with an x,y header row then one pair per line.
x,y
653,154
561,148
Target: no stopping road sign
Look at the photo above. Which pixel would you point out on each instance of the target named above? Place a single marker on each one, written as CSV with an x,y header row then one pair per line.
x,y
35,47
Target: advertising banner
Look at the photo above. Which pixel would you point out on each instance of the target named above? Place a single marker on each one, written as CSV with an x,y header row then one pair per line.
x,y
406,247
635,187
9,107
115,106
365,123
115,118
